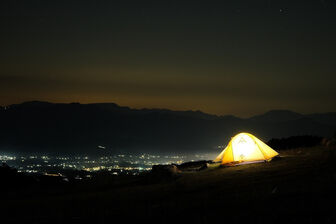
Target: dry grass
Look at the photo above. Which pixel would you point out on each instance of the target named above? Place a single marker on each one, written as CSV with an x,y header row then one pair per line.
x,y
297,187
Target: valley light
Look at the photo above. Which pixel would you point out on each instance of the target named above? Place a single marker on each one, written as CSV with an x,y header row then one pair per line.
x,y
245,147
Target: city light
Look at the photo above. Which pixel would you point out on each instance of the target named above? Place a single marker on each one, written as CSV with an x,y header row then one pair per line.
x,y
116,164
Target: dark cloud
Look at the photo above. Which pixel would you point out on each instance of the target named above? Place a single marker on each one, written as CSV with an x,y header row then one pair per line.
x,y
195,55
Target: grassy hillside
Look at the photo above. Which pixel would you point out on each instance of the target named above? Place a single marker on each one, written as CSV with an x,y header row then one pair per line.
x,y
297,187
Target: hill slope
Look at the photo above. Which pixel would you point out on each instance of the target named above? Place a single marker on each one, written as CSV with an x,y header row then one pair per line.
x,y
80,128
297,188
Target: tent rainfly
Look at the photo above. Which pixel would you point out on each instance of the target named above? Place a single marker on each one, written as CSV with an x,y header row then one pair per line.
x,y
245,147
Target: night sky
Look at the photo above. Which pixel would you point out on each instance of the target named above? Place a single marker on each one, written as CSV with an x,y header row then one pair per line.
x,y
239,57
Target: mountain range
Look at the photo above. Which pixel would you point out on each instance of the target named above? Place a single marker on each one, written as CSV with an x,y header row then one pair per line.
x,y
101,128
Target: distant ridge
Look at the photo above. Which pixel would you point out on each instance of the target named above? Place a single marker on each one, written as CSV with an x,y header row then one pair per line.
x,y
277,116
39,126
269,116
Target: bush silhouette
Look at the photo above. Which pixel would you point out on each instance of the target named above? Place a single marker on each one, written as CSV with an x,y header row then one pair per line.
x,y
295,142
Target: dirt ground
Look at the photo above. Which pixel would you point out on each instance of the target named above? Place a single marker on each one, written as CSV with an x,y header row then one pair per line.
x,y
298,187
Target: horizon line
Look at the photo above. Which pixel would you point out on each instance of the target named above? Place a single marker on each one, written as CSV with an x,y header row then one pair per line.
x,y
173,110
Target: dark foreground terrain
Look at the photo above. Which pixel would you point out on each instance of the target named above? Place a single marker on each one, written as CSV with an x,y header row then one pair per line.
x,y
298,187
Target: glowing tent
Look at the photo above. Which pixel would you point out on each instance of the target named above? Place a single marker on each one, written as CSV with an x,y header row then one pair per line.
x,y
245,147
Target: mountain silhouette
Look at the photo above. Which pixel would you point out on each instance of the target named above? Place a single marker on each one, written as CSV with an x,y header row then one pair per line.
x,y
277,116
80,128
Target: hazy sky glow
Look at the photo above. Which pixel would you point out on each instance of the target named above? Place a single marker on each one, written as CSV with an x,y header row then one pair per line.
x,y
237,57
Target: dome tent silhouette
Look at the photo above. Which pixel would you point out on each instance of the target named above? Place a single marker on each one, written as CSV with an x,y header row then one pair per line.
x,y
245,147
